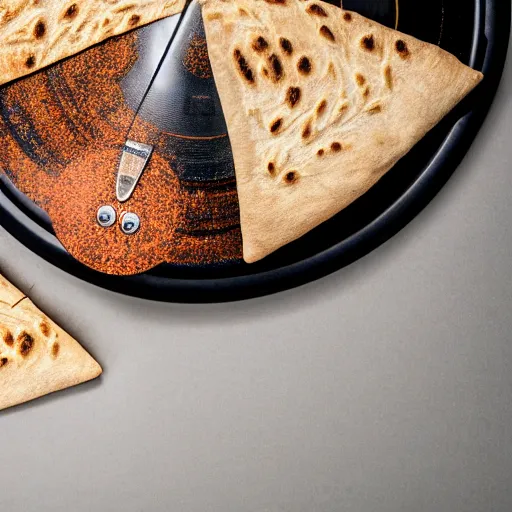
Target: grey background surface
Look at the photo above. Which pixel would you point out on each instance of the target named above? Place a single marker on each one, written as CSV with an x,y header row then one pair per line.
x,y
384,387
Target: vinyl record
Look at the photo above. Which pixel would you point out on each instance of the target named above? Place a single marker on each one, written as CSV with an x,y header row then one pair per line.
x,y
205,263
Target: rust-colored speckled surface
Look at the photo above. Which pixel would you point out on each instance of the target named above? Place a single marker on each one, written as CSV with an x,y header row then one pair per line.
x,y
62,132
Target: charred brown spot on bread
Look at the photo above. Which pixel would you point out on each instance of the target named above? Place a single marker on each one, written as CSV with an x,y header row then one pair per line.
x,y
368,43
106,21
306,130
402,49
44,326
71,12
347,16
360,79
291,177
271,168
11,14
325,31
218,15
80,28
3,361
277,67
40,29
320,109
366,92
55,349
375,109
388,76
331,70
276,2
30,62
316,10
343,108
286,45
134,20
293,96
8,339
265,72
259,44
124,8
304,65
25,344
243,66
336,147
320,152
276,125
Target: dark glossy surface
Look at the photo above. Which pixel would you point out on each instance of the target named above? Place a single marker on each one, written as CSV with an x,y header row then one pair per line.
x,y
181,102
369,221
178,101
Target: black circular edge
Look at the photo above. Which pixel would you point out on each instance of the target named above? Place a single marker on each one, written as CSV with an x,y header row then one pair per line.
x,y
493,30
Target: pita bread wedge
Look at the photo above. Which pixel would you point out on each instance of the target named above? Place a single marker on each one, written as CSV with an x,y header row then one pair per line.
x,y
35,34
320,103
36,356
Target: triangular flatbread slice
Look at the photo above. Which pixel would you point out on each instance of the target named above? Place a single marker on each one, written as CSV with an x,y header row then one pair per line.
x,y
36,356
320,103
37,33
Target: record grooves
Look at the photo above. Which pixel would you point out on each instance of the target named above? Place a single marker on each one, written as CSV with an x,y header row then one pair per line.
x,y
477,34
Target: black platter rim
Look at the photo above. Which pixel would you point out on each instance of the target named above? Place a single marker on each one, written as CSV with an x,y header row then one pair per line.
x,y
492,31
